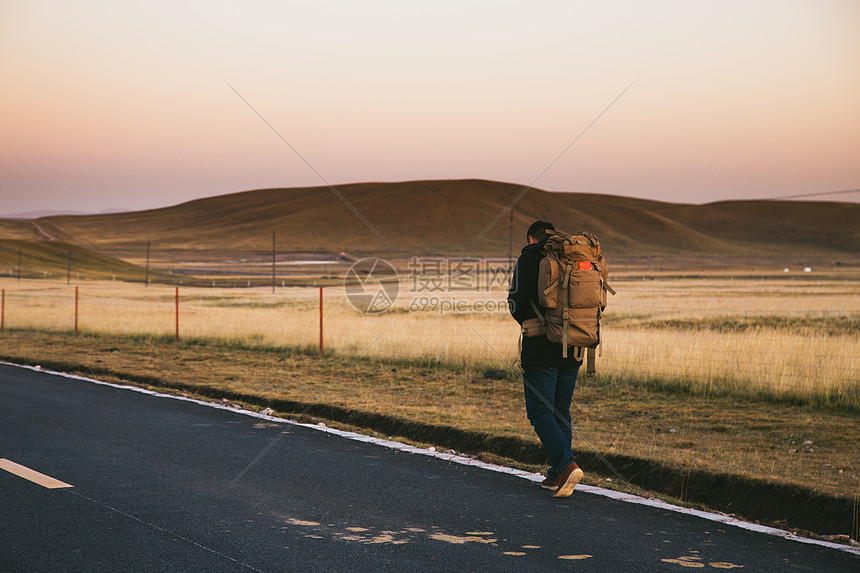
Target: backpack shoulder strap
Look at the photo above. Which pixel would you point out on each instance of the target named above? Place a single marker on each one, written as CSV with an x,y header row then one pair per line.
x,y
538,313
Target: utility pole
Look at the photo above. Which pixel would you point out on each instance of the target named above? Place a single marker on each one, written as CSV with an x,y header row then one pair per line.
x,y
273,262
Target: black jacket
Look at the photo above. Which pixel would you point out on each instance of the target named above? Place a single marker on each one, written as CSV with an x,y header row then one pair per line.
x,y
537,350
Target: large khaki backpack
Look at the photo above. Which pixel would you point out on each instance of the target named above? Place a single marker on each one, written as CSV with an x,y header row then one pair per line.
x,y
572,287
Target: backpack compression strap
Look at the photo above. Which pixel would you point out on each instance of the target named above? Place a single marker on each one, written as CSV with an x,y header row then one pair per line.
x,y
590,368
565,319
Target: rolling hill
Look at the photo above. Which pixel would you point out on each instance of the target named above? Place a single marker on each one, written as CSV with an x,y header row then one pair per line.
x,y
453,217
60,260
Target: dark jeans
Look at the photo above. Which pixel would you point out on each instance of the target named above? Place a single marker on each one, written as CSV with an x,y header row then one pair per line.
x,y
549,392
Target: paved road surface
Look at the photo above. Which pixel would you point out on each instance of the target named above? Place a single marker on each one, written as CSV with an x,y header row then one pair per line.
x,y
167,485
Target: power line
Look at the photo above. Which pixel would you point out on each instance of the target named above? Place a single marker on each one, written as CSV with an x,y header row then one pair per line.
x,y
803,195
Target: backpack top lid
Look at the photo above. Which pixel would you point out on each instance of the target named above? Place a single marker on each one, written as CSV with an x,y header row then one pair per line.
x,y
578,247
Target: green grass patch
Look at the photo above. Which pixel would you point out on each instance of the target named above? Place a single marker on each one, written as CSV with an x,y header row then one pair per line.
x,y
848,324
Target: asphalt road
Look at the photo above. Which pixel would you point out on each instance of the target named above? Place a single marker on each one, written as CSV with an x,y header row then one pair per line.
x,y
166,485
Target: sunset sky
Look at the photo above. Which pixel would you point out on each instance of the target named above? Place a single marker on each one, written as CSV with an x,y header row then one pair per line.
x,y
126,105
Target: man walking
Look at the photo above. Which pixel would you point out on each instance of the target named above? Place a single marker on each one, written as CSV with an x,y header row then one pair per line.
x,y
548,378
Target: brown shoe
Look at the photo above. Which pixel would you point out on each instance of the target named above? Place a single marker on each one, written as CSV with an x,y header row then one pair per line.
x,y
568,480
549,483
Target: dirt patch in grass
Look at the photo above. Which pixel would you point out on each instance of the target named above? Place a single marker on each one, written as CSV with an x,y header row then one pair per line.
x,y
784,464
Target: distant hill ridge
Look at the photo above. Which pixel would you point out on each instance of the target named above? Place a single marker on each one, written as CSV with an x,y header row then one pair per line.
x,y
445,217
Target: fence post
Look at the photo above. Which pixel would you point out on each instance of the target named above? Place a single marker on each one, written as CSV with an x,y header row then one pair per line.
x,y
177,314
321,321
76,310
3,311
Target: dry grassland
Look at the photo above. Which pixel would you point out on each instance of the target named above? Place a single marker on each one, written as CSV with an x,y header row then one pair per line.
x,y
775,339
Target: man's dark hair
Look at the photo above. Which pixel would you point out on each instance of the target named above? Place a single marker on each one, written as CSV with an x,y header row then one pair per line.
x,y
538,230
